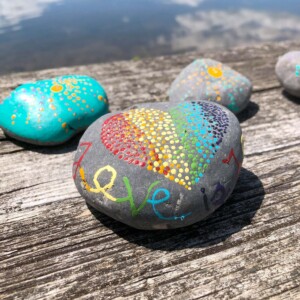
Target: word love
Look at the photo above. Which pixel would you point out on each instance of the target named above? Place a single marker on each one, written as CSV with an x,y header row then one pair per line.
x,y
155,200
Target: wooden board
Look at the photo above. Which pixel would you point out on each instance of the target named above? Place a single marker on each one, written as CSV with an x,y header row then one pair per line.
x,y
54,247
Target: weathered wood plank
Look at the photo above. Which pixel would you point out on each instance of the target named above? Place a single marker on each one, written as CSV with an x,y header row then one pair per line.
x,y
149,79
53,246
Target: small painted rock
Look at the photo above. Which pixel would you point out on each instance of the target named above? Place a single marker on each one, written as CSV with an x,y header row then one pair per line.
x,y
288,72
207,79
50,112
160,166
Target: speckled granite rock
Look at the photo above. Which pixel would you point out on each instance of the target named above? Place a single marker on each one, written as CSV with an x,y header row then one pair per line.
x,y
288,72
50,112
207,79
160,165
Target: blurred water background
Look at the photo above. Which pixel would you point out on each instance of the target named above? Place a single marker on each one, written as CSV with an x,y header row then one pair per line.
x,y
37,34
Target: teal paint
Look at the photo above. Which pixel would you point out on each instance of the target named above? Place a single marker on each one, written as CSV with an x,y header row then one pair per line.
x,y
52,111
297,71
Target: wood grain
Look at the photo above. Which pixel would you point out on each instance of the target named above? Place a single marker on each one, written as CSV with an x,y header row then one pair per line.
x,y
55,247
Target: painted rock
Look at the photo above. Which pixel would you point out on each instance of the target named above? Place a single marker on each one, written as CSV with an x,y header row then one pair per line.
x,y
288,72
213,81
160,166
49,112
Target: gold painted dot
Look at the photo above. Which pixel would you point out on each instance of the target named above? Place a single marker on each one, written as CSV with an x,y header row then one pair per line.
x,y
156,164
56,88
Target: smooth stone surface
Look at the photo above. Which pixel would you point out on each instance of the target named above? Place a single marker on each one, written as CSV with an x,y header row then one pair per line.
x,y
288,72
50,112
207,79
160,165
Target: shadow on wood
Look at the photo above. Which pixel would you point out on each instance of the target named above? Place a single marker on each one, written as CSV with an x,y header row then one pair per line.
x,y
250,111
290,97
233,216
68,146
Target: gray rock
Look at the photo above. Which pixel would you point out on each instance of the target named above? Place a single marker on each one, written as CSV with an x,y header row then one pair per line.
x,y
288,72
207,79
160,165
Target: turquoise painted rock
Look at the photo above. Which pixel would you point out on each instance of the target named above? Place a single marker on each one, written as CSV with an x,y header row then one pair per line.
x,y
50,112
208,79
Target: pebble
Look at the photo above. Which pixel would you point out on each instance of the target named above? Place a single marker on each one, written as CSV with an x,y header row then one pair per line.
x,y
160,165
207,79
50,112
288,72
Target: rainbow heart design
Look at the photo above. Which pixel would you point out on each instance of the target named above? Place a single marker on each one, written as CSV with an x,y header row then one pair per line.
x,y
178,144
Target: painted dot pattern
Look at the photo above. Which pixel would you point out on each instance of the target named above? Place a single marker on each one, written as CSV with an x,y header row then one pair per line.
x,y
179,144
63,91
61,103
210,80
